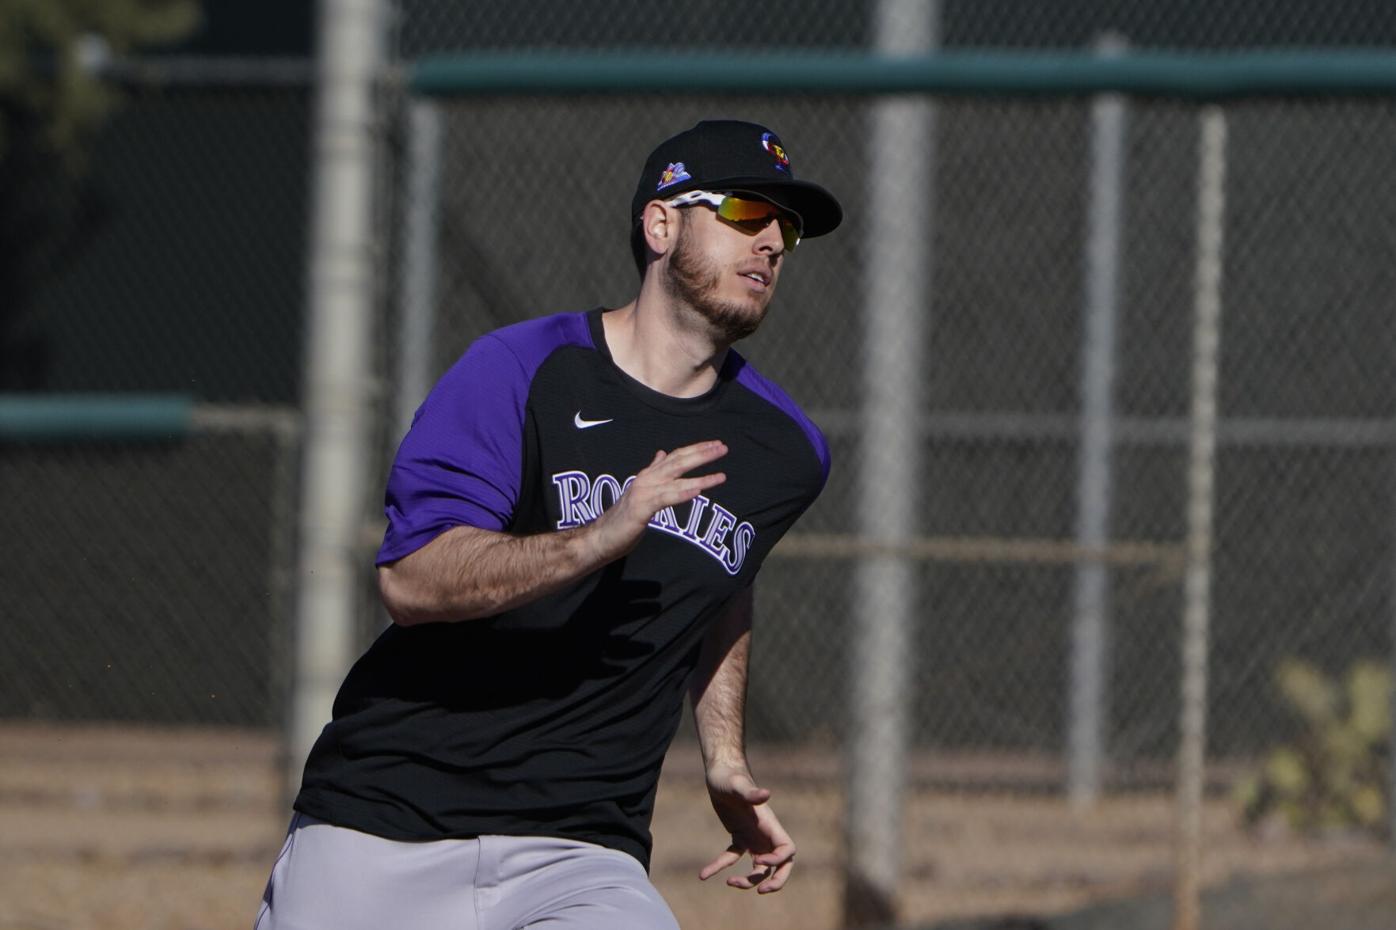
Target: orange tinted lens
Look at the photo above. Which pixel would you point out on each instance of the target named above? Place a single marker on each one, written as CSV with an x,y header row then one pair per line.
x,y
735,208
789,234
739,210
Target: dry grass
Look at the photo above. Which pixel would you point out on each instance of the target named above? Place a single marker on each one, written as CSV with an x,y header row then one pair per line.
x,y
127,829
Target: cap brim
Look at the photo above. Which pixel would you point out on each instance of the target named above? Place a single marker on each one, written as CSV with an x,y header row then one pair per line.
x,y
818,208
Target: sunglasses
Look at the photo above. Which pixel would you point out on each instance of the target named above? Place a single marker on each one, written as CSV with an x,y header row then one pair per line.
x,y
751,215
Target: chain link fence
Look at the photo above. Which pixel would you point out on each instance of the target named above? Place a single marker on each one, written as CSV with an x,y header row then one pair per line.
x,y
1305,433
162,566
148,571
533,220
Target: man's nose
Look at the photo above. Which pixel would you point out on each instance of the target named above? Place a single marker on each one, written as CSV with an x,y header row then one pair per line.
x,y
769,239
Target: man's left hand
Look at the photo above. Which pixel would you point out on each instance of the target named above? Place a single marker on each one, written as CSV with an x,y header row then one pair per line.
x,y
742,807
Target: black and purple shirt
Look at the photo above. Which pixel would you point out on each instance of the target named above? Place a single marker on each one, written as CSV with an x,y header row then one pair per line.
x,y
552,719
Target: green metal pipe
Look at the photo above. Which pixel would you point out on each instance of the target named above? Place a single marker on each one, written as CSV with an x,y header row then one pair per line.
x,y
1193,75
38,418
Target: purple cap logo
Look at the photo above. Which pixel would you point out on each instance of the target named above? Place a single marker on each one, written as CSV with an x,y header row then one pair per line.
x,y
673,174
771,144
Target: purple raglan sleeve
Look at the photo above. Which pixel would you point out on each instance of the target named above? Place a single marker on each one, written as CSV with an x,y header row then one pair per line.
x,y
768,390
460,463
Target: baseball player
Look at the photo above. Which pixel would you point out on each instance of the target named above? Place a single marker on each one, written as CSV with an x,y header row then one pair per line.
x,y
575,520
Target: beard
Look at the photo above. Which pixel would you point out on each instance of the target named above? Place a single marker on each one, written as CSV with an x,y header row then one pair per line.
x,y
694,281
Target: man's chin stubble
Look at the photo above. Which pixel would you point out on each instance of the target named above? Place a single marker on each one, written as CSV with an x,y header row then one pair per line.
x,y
694,282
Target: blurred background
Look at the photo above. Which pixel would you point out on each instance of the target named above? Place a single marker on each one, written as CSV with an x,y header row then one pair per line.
x,y
1107,379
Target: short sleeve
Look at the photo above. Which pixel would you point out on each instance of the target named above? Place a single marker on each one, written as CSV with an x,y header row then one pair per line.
x,y
461,461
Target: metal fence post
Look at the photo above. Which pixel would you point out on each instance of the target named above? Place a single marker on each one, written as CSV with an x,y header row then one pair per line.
x,y
336,399
417,285
1090,631
1211,204
898,283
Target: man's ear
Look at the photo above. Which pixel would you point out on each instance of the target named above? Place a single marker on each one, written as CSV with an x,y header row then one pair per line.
x,y
660,225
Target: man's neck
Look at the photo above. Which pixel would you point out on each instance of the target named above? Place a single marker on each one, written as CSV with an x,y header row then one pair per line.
x,y
649,342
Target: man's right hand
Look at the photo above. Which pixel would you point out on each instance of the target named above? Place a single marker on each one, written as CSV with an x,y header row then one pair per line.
x,y
660,484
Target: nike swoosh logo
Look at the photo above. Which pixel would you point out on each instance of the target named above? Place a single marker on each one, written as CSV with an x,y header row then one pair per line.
x,y
578,422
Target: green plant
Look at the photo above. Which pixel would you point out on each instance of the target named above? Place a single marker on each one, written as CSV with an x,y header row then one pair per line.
x,y
42,79
1335,774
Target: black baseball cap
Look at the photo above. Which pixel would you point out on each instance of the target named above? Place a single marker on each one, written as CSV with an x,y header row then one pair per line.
x,y
729,155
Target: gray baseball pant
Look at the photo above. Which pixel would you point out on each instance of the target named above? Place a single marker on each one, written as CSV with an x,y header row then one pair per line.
x,y
333,878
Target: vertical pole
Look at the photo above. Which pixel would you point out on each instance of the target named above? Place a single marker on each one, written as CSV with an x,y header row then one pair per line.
x,y
901,189
1211,203
338,370
1391,736
418,282
1090,631
285,436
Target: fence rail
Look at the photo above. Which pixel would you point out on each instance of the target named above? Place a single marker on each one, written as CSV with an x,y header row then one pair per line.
x,y
1194,76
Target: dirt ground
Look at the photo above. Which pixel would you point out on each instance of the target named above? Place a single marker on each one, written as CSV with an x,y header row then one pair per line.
x,y
135,829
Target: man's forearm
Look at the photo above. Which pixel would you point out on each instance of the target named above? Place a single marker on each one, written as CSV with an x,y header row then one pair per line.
x,y
718,691
467,573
